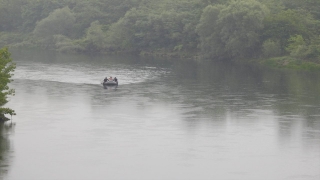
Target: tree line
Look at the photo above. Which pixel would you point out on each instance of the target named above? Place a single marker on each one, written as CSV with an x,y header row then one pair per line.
x,y
214,29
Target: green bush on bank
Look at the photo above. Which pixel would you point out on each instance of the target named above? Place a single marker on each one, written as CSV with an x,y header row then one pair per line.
x,y
11,38
6,69
271,48
291,63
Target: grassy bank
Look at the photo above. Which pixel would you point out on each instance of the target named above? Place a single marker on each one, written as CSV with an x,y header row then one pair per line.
x,y
291,63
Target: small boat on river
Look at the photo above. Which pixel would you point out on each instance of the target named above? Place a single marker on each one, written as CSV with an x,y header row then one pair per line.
x,y
110,81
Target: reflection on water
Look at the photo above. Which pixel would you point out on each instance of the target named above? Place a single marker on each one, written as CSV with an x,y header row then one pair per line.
x,y
5,148
251,92
165,120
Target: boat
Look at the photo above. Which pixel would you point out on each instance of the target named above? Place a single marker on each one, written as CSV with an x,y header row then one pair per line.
x,y
110,83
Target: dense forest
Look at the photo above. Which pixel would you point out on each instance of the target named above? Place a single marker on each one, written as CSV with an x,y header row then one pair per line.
x,y
213,29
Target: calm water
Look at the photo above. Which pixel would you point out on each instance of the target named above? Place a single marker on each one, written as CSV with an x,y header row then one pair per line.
x,y
165,120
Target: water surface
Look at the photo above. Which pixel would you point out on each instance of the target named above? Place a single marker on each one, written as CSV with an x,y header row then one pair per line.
x,y
167,119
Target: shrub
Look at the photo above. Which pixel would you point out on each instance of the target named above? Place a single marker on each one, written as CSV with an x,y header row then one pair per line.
x,y
271,48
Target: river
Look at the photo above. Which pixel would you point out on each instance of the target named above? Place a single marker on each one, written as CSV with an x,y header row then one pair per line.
x,y
167,119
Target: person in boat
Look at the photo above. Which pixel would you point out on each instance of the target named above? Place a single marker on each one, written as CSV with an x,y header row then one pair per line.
x,y
115,79
110,78
105,79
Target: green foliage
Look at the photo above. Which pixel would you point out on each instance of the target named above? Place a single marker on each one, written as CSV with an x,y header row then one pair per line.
x,y
287,23
7,38
313,52
95,39
104,11
241,24
231,31
65,44
157,25
291,63
216,29
298,48
271,48
209,32
10,14
311,6
275,6
59,22
36,10
6,70
120,34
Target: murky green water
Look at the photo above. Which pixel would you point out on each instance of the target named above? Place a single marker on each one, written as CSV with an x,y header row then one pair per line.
x,y
165,120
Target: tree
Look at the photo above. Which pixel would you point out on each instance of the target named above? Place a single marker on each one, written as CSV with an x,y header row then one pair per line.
x,y
10,14
6,69
120,34
104,11
167,25
274,6
271,48
298,48
87,12
59,21
242,22
287,23
36,10
232,31
95,39
311,6
208,30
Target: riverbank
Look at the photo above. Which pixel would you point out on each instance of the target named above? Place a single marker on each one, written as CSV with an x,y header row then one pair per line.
x,y
291,63
284,62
